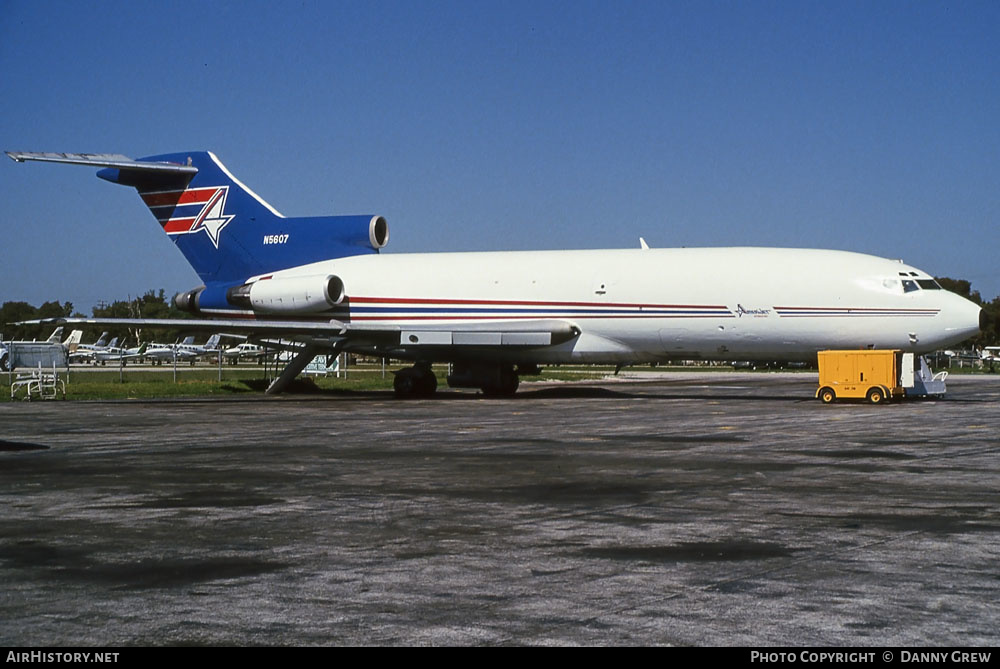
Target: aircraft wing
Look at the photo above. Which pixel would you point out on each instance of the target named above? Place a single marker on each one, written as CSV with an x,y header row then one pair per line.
x,y
543,332
195,324
482,334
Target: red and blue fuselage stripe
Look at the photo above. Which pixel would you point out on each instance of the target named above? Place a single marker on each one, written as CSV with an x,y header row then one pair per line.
x,y
371,308
826,312
427,309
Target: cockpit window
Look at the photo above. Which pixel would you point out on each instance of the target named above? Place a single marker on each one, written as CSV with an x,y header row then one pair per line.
x,y
910,285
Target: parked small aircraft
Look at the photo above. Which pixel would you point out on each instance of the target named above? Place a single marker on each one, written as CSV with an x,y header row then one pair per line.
x,y
84,353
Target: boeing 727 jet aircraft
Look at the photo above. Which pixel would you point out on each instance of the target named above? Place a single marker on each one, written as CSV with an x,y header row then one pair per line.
x,y
321,285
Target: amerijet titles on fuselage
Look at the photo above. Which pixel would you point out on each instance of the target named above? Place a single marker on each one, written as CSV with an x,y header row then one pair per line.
x,y
321,285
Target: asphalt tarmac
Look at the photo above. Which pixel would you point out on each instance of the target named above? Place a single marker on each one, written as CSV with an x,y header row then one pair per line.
x,y
715,509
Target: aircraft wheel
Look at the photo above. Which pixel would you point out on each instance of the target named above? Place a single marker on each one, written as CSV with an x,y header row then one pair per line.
x,y
403,385
827,396
416,381
875,396
406,384
427,383
506,387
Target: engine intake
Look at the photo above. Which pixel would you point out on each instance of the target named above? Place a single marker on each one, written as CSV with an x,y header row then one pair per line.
x,y
378,232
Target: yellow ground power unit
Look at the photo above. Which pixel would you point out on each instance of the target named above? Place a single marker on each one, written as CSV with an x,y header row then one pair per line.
x,y
876,376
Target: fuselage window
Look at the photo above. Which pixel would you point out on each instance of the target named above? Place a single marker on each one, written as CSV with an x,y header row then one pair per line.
x,y
909,286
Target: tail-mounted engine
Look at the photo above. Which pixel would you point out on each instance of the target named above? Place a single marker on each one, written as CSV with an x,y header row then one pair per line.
x,y
340,235
293,295
378,232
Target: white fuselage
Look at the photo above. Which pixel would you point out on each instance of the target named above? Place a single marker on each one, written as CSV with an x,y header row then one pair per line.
x,y
657,304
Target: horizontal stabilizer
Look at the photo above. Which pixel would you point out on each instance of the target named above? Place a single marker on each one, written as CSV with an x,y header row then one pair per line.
x,y
115,160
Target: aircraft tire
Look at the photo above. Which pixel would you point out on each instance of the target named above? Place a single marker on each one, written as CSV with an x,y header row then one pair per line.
x,y
875,396
416,381
403,385
427,384
506,387
827,396
406,385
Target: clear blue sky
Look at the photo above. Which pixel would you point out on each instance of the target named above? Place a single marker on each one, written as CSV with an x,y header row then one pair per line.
x,y
866,126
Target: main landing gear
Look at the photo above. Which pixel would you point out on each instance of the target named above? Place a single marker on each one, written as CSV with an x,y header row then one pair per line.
x,y
416,381
503,384
493,379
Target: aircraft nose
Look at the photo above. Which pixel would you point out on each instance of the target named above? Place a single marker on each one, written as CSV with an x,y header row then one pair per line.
x,y
965,319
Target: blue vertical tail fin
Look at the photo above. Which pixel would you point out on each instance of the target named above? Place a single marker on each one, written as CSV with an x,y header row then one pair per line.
x,y
229,233
226,232
212,217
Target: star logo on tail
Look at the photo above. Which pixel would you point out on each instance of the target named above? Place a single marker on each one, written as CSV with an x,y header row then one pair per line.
x,y
212,218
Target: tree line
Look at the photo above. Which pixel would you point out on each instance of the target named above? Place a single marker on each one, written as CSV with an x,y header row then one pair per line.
x,y
153,304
